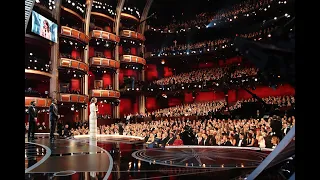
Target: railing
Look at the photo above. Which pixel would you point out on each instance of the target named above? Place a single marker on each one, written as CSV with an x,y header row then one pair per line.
x,y
104,35
132,34
73,33
105,93
73,98
40,102
104,62
74,64
133,59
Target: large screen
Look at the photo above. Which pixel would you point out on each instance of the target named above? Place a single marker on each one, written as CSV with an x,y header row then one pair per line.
x,y
44,27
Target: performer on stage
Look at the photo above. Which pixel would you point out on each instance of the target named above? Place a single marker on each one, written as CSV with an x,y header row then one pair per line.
x,y
53,116
33,113
93,119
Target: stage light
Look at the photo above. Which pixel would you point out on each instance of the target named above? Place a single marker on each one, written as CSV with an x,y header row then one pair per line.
x,y
163,62
214,24
275,18
255,79
265,9
269,35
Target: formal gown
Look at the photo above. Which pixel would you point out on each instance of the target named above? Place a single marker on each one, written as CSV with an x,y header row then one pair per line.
x,y
93,121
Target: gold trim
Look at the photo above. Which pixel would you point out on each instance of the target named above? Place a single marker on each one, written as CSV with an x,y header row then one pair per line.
x,y
102,15
30,71
72,12
86,98
92,59
69,61
130,16
132,34
99,91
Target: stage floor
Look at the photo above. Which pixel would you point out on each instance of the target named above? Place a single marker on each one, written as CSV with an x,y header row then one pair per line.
x,y
125,157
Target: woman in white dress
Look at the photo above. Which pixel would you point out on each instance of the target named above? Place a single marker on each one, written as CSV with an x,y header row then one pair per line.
x,y
93,119
260,139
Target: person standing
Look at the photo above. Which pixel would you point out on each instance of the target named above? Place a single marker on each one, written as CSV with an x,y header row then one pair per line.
x,y
53,116
33,114
93,119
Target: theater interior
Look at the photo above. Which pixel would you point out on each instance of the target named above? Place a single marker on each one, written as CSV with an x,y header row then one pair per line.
x,y
185,89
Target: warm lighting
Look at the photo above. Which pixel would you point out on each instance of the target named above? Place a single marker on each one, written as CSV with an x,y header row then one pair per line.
x,y
163,62
222,165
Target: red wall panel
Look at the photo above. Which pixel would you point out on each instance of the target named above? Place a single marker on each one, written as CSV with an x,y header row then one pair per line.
x,y
91,51
75,54
151,72
188,98
167,71
133,51
120,50
209,96
267,91
127,106
107,53
173,102
91,78
104,108
107,80
75,84
232,96
151,104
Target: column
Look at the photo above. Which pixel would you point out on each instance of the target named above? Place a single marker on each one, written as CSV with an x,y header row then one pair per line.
x,y
116,109
85,81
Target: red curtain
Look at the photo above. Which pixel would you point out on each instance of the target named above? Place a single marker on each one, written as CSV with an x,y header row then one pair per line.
x,y
91,78
108,53
75,54
107,80
75,84
104,108
173,102
151,72
267,91
206,65
151,104
232,96
120,50
68,115
128,106
188,98
91,51
133,51
167,71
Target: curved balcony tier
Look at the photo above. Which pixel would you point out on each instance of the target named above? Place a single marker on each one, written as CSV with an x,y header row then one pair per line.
x,y
133,59
104,35
40,102
126,15
74,64
105,93
75,34
132,34
73,13
37,72
73,98
104,62
102,15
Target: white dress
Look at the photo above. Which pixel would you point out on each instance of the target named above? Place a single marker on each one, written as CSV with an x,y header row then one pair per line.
x,y
93,121
262,143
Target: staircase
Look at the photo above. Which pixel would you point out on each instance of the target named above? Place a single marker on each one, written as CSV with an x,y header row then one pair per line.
x,y
28,6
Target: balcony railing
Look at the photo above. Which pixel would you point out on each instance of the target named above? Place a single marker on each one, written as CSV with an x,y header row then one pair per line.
x,y
132,34
105,93
133,59
73,33
104,35
73,98
74,64
104,62
38,72
40,102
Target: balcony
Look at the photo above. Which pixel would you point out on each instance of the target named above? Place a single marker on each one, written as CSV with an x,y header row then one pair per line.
x,y
132,34
74,64
104,62
129,16
75,34
40,102
37,72
104,35
105,93
133,59
73,98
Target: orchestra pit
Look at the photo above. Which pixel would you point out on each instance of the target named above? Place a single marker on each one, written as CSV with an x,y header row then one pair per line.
x,y
159,89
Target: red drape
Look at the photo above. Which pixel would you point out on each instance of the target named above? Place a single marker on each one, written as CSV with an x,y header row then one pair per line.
x,y
267,91
133,51
167,71
188,98
128,106
151,72
209,96
120,50
232,96
104,108
107,80
91,79
91,51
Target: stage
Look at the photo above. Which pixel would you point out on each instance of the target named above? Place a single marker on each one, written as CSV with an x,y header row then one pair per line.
x,y
113,157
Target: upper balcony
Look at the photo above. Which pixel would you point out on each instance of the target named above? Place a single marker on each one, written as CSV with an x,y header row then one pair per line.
x,y
130,13
99,93
74,34
73,98
132,35
133,59
40,102
74,64
104,62
104,35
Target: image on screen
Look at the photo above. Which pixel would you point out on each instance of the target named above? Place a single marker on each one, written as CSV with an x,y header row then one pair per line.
x,y
44,27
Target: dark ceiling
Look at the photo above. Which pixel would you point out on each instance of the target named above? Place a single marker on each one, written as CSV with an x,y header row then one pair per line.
x,y
167,10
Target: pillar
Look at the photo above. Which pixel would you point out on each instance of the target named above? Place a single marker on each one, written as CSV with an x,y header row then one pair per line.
x,y
85,81
116,109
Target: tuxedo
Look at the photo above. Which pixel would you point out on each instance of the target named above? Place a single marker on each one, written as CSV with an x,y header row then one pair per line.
x,y
228,143
212,140
204,142
285,131
53,116
242,143
170,141
33,113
